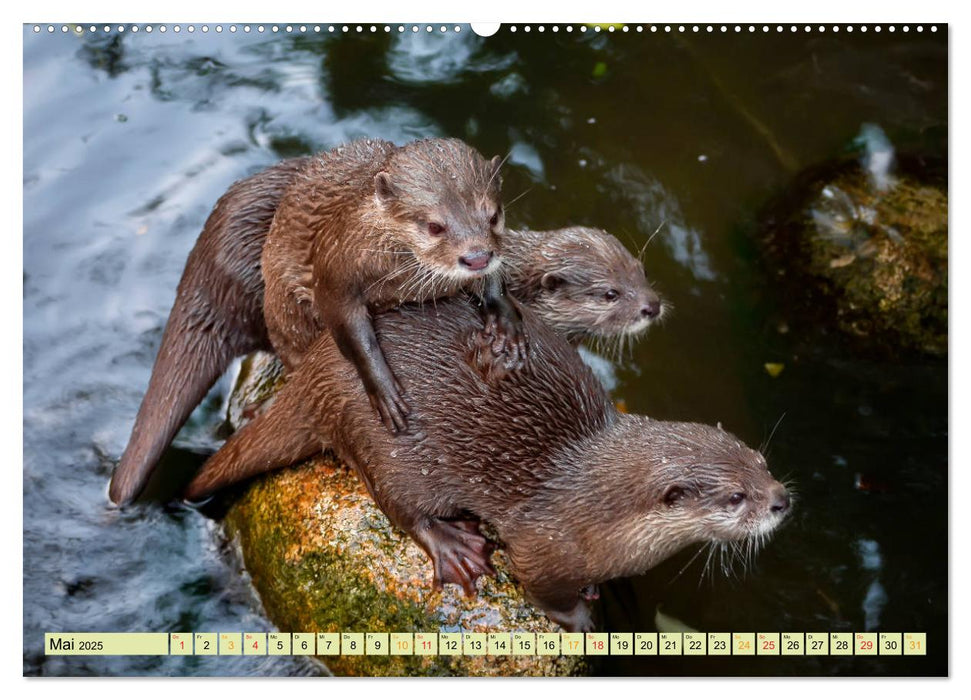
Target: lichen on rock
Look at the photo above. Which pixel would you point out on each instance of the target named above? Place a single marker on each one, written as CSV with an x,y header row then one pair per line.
x,y
868,255
324,558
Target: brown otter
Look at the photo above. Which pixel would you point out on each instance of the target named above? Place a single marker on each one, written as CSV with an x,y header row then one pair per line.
x,y
577,492
583,282
217,315
218,311
580,281
370,225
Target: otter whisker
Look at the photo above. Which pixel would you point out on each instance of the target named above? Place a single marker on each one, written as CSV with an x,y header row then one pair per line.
x,y
765,446
640,255
708,568
380,251
630,238
421,280
690,562
723,553
737,555
408,266
427,288
417,281
515,199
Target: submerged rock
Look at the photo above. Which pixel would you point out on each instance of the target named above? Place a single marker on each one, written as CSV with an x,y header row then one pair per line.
x,y
324,558
863,243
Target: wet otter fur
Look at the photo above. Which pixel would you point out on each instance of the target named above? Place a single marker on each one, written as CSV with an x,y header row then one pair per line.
x,y
578,492
371,225
218,311
217,316
584,283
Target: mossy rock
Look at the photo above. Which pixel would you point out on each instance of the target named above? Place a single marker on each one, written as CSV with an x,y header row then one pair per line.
x,y
868,259
324,558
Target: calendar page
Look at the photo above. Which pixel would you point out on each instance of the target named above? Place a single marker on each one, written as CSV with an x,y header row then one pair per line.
x,y
512,349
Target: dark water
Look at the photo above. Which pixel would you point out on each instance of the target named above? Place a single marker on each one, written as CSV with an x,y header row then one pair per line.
x,y
129,140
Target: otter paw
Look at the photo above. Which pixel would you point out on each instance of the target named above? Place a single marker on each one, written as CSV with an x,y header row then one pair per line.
x,y
508,340
459,553
390,407
483,358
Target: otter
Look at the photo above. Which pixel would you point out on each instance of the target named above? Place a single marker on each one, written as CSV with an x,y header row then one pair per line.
x,y
580,281
217,316
218,311
577,492
583,282
371,225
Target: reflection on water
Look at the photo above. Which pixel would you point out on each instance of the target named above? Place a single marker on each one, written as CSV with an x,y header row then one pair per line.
x,y
129,140
649,203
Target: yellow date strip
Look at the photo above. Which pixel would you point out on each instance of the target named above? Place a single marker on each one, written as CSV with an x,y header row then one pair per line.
x,y
491,644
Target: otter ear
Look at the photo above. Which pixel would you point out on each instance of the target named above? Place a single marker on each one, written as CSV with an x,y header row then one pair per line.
x,y
383,187
673,495
551,281
496,163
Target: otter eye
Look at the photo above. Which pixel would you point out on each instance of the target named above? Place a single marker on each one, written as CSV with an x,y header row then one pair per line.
x,y
736,498
495,219
435,229
611,294
673,495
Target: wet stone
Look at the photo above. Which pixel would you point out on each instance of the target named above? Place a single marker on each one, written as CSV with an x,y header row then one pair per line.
x,y
324,558
865,254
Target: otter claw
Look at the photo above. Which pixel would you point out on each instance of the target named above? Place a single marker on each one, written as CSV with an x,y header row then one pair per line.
x,y
392,410
508,339
576,619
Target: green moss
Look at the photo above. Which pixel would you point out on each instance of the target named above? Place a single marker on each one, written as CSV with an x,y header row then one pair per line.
x,y
324,559
872,261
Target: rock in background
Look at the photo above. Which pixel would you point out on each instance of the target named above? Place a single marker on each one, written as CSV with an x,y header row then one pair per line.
x,y
862,245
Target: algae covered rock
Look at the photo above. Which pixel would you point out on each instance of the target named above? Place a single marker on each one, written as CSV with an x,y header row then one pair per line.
x,y
862,245
324,558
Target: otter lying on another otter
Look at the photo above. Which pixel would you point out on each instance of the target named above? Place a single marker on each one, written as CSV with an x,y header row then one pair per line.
x,y
580,280
371,225
584,262
577,492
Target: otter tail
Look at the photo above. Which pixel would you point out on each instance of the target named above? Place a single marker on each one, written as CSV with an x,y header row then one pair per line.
x,y
274,439
218,315
196,349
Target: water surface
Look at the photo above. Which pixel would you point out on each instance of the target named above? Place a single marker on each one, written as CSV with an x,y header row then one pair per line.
x,y
130,139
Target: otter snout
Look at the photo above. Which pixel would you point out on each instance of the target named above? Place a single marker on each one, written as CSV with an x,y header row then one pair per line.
x,y
476,260
651,309
779,500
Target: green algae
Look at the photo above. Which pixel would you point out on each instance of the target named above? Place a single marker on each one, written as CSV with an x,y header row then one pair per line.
x,y
324,558
871,261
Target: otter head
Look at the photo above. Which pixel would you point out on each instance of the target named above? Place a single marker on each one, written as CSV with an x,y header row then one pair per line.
x,y
443,199
688,484
587,285
712,478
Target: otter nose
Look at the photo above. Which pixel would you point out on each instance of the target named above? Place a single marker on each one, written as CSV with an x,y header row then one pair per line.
x,y
780,501
651,309
476,259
